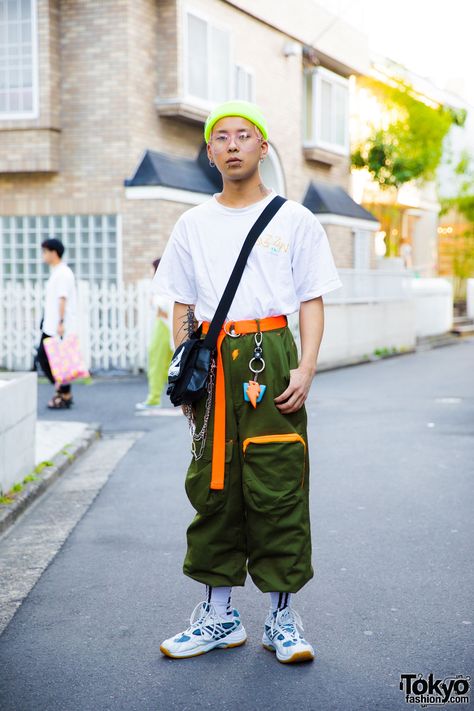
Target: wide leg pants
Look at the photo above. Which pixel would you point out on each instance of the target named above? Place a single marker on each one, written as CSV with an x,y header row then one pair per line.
x,y
259,522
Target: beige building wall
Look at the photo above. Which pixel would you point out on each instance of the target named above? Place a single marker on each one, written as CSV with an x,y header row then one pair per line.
x,y
102,67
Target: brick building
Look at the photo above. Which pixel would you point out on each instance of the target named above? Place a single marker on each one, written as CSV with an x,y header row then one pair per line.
x,y
102,106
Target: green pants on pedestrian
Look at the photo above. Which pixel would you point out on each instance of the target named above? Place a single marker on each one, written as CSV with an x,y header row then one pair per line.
x,y
259,522
159,358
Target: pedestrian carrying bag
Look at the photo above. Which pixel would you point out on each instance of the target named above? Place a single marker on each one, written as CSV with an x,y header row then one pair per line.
x,y
188,374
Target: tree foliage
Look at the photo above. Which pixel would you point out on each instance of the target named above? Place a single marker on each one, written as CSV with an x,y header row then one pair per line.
x,y
411,146
462,249
463,202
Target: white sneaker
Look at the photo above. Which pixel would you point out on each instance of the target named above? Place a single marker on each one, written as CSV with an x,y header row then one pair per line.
x,y
207,631
281,635
145,406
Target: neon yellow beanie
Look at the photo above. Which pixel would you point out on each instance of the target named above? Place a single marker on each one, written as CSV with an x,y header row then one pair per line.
x,y
236,108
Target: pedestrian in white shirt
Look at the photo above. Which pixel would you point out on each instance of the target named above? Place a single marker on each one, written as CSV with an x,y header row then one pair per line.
x,y
59,317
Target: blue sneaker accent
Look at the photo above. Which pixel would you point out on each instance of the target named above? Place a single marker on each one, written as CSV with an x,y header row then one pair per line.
x,y
282,636
207,631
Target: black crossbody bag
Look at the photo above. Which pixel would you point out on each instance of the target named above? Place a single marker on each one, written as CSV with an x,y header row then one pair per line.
x,y
188,374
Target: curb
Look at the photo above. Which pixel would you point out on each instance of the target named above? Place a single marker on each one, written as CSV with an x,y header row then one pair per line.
x,y
426,343
61,462
422,344
345,363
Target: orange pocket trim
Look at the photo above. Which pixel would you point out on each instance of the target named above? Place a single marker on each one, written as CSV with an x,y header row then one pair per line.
x,y
264,439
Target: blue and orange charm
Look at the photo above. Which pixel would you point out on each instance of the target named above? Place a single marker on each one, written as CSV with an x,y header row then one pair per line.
x,y
253,392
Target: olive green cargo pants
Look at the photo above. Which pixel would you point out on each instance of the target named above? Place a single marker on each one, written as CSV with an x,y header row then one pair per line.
x,y
260,521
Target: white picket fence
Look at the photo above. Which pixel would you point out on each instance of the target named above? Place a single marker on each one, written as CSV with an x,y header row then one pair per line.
x,y
114,323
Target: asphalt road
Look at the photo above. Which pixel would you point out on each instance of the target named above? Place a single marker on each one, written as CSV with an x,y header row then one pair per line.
x,y
392,447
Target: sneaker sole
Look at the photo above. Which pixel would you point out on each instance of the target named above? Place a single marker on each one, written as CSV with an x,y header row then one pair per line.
x,y
218,645
297,657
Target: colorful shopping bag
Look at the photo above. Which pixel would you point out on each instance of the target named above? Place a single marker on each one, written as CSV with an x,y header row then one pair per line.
x,y
65,358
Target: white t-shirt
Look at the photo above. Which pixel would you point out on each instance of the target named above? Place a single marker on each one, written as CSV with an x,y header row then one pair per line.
x,y
291,261
60,283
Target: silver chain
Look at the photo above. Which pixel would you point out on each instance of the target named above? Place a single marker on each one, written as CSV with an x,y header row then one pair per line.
x,y
202,434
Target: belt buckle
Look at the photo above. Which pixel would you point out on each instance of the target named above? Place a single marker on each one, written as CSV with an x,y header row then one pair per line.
x,y
232,332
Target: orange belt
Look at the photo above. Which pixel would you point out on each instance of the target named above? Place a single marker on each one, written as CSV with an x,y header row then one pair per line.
x,y
237,327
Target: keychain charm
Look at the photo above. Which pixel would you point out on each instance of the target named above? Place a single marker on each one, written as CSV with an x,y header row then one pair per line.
x,y
253,390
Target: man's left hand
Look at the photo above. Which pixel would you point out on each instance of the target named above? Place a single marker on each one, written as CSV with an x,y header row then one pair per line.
x,y
293,398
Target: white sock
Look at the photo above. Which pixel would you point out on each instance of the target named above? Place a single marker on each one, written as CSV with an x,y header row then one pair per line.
x,y
280,600
221,599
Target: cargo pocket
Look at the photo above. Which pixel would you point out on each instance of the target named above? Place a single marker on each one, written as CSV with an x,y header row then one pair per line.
x,y
205,500
274,471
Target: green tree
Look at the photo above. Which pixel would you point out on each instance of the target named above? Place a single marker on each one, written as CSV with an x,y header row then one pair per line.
x,y
409,148
462,254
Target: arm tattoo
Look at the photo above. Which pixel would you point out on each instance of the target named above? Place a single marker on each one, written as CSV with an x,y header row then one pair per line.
x,y
190,320
188,325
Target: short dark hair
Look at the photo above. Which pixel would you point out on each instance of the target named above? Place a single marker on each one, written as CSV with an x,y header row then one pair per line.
x,y
54,245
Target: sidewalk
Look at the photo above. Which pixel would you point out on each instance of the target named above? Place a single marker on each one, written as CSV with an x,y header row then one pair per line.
x,y
57,445
53,436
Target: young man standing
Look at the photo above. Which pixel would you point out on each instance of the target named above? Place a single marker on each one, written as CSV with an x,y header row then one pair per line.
x,y
59,316
249,476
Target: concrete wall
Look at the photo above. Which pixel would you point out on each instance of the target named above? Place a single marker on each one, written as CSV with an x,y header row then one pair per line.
x,y
433,306
354,331
18,402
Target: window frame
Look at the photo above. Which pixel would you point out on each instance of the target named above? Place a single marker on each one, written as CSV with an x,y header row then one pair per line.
x,y
34,112
250,71
200,101
319,74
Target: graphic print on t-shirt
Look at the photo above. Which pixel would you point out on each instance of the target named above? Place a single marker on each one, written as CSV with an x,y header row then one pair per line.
x,y
290,263
273,243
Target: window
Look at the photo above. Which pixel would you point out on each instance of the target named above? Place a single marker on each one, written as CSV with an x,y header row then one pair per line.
x,y
207,60
91,242
18,60
326,110
244,83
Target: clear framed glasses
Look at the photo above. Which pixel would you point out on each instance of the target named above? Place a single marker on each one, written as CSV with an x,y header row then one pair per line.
x,y
244,140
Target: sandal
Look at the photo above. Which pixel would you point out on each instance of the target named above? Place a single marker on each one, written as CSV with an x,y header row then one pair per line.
x,y
58,402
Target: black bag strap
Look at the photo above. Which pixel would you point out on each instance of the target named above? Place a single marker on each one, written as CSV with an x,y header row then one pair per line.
x,y
229,292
